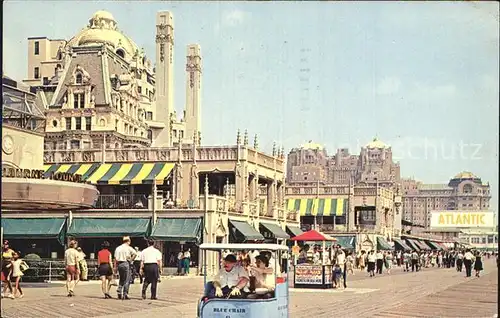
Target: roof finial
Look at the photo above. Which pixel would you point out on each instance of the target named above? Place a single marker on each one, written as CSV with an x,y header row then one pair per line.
x,y
282,155
238,137
199,138
256,142
274,149
206,184
245,138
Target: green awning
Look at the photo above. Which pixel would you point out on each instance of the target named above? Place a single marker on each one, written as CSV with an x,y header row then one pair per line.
x,y
245,231
422,245
177,230
413,244
347,242
274,231
401,245
294,231
109,227
383,245
433,245
34,228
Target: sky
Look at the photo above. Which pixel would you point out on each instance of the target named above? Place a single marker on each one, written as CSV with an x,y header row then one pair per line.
x,y
421,76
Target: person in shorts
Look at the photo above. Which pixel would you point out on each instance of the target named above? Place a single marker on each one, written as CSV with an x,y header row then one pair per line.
x,y
105,269
71,259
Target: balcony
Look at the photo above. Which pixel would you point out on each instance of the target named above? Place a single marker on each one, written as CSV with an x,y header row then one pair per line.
x,y
122,201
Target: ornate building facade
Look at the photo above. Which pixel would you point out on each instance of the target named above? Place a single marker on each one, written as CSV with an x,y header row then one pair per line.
x,y
465,191
99,88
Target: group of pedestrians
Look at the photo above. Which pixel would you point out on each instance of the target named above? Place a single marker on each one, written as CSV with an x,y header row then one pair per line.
x,y
13,268
125,263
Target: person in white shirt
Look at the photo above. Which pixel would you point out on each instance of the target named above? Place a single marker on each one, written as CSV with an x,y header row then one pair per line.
x,y
71,259
150,264
460,261
229,282
468,260
371,263
380,261
124,255
18,267
186,260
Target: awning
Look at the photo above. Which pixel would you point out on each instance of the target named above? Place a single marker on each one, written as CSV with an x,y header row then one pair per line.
x,y
413,244
383,245
401,245
443,246
116,173
294,231
109,227
433,245
422,245
177,229
245,231
347,242
274,231
318,207
34,228
314,236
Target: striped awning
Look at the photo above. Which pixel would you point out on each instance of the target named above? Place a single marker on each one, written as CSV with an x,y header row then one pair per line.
x,y
318,207
115,173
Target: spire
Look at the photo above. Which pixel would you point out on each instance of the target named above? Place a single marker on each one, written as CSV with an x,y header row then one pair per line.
x,y
282,155
199,138
206,184
238,137
245,138
256,143
195,137
274,150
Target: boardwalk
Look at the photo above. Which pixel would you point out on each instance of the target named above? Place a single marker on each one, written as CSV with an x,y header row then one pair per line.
x,y
430,293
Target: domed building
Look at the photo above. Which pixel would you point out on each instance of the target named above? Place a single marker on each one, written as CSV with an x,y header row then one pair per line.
x,y
465,191
99,89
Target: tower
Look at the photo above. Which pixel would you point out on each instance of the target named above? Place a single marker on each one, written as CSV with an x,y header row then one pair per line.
x,y
164,76
192,116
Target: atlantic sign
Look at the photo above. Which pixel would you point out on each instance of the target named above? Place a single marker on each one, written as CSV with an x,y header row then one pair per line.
x,y
462,219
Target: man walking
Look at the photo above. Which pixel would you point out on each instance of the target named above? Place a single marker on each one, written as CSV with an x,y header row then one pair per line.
x,y
380,262
414,261
150,264
124,255
468,259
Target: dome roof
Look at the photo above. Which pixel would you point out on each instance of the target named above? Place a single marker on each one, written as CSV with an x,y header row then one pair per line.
x,y
311,145
465,175
102,29
375,143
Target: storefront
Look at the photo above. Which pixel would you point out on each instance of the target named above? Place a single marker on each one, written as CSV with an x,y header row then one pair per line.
x,y
400,245
272,233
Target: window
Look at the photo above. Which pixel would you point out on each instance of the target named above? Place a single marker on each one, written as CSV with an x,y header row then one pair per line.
x,y
37,72
139,89
75,144
86,144
46,81
78,125
150,134
116,124
121,53
149,115
68,123
88,123
79,78
37,48
79,100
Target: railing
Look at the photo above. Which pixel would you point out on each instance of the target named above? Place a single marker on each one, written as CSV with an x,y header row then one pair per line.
x,y
291,190
122,201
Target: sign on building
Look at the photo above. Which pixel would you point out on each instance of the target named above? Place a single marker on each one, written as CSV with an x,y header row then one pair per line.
x,y
462,219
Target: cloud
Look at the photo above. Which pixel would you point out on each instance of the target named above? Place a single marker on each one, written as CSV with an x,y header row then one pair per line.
x,y
234,17
388,86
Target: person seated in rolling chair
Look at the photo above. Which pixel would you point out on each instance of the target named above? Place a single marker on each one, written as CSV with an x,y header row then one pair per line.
x,y
263,279
229,282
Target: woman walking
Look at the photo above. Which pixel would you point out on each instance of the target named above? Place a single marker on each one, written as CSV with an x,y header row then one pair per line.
x,y
82,265
478,263
18,267
7,254
350,264
388,262
105,262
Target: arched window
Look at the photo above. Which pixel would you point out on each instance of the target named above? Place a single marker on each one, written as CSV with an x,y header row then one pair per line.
x,y
79,78
150,134
121,53
467,188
